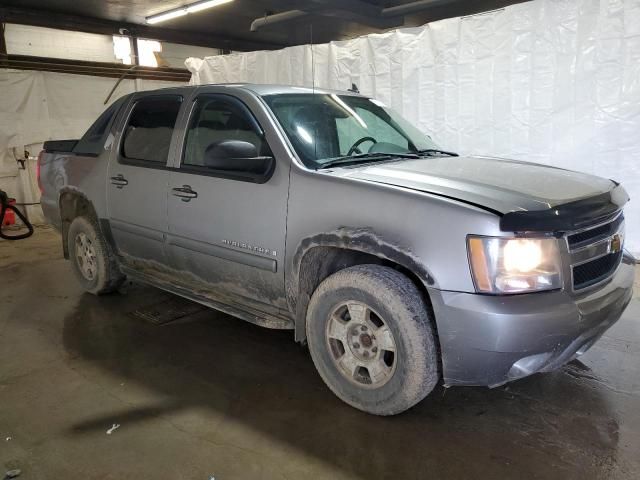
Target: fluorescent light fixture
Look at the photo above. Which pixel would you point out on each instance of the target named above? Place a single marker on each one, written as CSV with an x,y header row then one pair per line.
x,y
179,12
196,7
163,17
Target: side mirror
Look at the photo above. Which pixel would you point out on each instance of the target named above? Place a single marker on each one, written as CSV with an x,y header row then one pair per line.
x,y
236,156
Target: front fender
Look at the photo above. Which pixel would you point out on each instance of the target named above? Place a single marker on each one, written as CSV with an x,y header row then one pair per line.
x,y
348,242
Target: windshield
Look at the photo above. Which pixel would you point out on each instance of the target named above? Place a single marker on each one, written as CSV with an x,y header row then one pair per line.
x,y
326,127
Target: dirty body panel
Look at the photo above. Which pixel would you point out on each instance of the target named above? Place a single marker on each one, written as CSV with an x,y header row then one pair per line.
x,y
484,339
232,235
393,218
257,250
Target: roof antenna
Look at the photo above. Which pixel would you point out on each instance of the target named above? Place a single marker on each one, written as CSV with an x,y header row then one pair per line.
x,y
313,63
354,88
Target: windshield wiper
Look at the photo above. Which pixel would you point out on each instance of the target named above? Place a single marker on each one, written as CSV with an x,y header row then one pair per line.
x,y
428,151
366,157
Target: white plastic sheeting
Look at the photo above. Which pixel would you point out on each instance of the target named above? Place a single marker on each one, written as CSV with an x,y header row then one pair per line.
x,y
40,106
549,81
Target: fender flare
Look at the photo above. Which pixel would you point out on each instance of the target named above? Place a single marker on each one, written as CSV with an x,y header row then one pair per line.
x,y
64,223
362,240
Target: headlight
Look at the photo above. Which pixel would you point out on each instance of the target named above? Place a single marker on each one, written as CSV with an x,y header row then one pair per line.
x,y
514,265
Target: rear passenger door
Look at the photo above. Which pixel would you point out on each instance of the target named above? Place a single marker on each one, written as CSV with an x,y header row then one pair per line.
x,y
138,177
226,230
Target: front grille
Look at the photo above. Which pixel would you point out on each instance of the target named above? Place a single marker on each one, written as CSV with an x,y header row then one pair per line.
x,y
593,260
595,271
593,235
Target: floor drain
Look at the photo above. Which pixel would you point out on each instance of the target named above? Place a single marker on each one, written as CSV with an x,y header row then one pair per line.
x,y
168,311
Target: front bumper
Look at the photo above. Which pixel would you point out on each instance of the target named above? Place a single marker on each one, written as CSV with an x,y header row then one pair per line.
x,y
490,340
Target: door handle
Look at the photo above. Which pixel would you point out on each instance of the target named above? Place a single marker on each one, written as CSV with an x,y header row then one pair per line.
x,y
185,193
119,181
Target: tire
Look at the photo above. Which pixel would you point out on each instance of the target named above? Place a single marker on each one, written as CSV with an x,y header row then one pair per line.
x,y
93,261
404,368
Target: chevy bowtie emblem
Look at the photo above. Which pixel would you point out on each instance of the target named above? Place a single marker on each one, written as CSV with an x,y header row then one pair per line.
x,y
616,243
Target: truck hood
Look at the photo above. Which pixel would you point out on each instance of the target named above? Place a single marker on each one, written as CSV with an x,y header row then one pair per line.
x,y
498,185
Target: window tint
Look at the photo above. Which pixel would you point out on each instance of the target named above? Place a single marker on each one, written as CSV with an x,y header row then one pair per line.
x,y
147,136
92,142
214,120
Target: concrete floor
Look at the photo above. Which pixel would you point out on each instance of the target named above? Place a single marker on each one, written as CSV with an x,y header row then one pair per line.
x,y
214,396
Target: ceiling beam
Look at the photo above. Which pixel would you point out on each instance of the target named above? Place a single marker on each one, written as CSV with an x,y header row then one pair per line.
x,y
78,23
99,69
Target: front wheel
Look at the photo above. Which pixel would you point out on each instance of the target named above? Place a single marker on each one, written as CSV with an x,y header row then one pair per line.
x,y
370,337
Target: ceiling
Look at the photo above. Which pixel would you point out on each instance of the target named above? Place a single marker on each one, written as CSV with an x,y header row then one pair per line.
x,y
228,26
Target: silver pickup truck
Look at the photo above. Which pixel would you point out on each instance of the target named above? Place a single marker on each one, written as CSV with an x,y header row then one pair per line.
x,y
398,263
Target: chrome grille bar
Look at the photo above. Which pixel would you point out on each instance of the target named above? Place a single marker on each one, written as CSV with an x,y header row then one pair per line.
x,y
596,252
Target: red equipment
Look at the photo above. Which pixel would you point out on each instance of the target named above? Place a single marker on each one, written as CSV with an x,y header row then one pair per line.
x,y
9,216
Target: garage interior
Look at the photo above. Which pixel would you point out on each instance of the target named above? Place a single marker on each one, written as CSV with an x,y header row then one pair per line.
x,y
99,387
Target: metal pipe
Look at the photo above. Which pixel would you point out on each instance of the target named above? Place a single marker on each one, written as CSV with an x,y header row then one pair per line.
x,y
397,11
276,18
412,7
129,70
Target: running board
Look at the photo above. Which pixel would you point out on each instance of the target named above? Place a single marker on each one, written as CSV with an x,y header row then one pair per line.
x,y
250,315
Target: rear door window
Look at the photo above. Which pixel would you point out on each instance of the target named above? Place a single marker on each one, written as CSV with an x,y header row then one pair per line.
x,y
147,135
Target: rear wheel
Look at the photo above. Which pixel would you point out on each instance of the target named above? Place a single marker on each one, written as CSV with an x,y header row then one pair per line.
x,y
93,261
371,339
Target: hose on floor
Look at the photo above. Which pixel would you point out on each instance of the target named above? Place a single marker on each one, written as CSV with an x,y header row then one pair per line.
x,y
4,208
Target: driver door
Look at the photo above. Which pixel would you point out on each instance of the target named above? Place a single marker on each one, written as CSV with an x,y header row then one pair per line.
x,y
227,233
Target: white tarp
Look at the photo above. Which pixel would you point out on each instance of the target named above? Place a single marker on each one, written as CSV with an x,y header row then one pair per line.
x,y
549,81
39,106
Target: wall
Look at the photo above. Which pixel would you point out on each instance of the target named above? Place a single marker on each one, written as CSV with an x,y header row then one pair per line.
x,y
48,42
549,81
53,43
40,106
175,53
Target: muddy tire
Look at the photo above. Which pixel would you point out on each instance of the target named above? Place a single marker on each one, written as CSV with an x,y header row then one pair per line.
x,y
92,259
371,339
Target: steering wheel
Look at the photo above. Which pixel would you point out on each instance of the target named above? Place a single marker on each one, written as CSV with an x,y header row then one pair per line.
x,y
354,148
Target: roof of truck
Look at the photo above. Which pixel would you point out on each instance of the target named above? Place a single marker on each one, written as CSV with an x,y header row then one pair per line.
x,y
270,89
267,89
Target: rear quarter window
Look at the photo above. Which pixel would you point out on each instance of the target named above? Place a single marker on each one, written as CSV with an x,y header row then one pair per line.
x,y
92,142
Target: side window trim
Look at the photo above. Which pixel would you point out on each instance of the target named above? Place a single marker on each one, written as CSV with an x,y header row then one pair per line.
x,y
204,171
174,134
115,108
231,99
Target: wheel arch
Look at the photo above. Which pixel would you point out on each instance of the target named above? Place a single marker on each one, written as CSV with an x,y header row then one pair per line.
x,y
322,255
73,203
